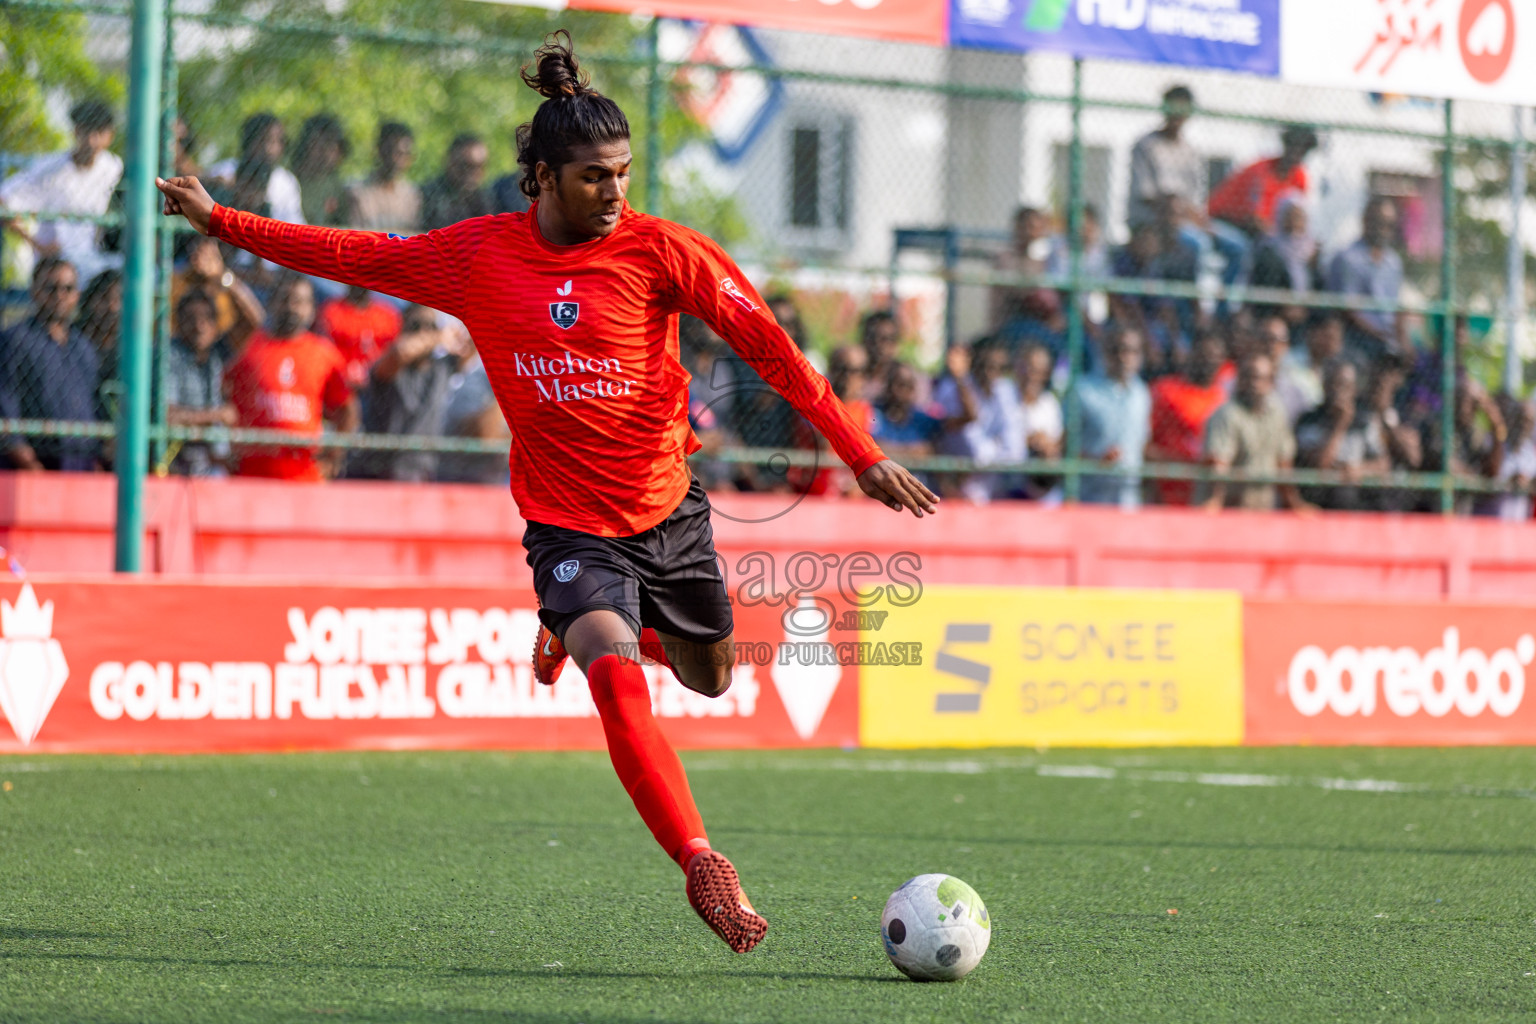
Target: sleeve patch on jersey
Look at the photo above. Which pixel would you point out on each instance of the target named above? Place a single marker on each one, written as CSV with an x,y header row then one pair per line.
x,y
730,288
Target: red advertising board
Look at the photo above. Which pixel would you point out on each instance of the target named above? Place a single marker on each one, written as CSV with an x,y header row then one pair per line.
x,y
201,667
1344,672
912,21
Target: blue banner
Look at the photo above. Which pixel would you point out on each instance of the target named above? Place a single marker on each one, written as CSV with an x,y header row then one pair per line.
x,y
1234,35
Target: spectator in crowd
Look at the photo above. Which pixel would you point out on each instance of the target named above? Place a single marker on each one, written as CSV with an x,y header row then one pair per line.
x,y
50,371
100,320
458,193
387,200
194,374
1299,384
79,181
206,272
257,180
289,379
1043,427
1517,470
1043,423
1182,405
846,372
1287,257
711,391
407,394
1341,435
881,337
1372,269
1272,336
784,309
1096,254
184,159
1151,255
1423,392
473,413
1478,441
1251,433
1249,199
1167,180
1402,440
902,428
1096,263
361,326
761,418
1026,310
983,419
100,314
323,147
507,194
1116,414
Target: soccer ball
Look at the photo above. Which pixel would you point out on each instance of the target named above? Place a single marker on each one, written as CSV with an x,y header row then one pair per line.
x,y
935,928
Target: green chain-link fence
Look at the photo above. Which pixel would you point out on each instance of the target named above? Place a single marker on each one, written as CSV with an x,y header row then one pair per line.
x,y
1073,297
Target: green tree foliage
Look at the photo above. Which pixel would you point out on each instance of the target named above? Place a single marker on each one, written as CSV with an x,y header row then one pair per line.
x,y
40,54
1482,220
441,67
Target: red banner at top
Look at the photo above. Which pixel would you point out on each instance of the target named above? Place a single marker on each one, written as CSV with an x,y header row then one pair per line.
x,y
910,21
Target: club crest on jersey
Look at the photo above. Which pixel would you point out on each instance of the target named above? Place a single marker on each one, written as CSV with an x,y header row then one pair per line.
x,y
566,570
564,314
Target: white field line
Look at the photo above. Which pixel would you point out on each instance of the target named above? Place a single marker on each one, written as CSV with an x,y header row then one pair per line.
x,y
1109,773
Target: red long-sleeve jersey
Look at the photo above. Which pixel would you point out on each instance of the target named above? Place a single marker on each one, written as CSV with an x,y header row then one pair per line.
x,y
580,344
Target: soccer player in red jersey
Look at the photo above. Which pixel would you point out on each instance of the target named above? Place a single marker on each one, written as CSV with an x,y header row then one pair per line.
x,y
573,306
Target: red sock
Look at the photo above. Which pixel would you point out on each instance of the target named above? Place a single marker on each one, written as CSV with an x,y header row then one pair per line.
x,y
651,647
646,763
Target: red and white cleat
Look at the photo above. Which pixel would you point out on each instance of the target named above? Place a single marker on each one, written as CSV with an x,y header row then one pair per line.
x,y
715,892
548,656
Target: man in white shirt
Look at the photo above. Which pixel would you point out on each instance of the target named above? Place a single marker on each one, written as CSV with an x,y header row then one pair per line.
x,y
79,181
263,141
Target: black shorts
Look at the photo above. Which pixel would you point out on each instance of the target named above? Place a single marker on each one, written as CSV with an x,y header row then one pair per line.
x,y
666,578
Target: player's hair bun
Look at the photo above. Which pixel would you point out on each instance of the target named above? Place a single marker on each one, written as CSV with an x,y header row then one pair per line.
x,y
573,113
556,73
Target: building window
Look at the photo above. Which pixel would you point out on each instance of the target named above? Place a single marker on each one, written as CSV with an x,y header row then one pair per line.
x,y
819,151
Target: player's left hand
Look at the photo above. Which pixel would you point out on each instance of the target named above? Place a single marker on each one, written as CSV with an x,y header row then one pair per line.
x,y
894,487
186,197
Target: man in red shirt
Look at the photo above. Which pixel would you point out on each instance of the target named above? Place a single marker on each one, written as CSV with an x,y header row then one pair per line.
x,y
573,306
361,327
1181,405
289,379
1248,198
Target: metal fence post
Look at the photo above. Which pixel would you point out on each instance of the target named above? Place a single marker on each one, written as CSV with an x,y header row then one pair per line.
x,y
167,243
1514,287
143,213
1448,312
653,120
1074,285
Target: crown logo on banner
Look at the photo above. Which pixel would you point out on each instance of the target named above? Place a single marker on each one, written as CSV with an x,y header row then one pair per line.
x,y
32,665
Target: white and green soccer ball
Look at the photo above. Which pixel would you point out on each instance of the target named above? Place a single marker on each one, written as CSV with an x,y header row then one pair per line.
x,y
935,928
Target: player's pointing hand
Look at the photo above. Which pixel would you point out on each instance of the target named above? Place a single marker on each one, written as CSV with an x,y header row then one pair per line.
x,y
185,196
893,486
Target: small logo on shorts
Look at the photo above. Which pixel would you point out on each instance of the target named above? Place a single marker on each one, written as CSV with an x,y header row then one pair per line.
x,y
566,571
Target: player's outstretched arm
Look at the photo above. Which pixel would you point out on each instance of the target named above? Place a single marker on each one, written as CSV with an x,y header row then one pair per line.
x,y
895,487
428,269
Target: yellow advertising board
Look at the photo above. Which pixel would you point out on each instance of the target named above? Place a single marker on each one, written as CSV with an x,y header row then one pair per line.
x,y
1008,666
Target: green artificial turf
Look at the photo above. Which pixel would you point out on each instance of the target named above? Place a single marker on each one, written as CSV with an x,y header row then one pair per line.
x,y
523,887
